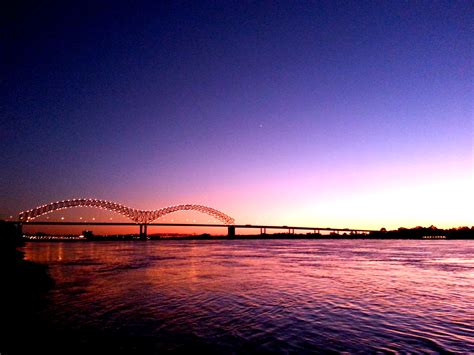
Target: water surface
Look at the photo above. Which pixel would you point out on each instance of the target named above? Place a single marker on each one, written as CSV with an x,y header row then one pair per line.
x,y
265,295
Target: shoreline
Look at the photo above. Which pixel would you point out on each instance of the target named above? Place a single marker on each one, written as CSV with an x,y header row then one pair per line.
x,y
26,284
244,237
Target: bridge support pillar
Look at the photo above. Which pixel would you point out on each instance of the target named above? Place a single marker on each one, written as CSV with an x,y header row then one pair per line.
x,y
231,231
263,230
143,232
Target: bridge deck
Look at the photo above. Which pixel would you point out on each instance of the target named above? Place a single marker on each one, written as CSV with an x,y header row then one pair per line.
x,y
245,226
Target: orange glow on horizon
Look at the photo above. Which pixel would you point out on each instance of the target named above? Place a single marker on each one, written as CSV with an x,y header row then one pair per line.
x,y
370,200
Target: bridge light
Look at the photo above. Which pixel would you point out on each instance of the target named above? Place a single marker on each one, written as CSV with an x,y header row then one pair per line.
x,y
62,218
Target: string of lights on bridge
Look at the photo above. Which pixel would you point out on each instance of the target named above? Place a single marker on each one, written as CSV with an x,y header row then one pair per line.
x,y
136,215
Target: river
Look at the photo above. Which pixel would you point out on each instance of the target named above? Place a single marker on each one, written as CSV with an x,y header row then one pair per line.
x,y
243,296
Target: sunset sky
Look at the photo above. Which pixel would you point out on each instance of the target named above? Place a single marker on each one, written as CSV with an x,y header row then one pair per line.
x,y
341,114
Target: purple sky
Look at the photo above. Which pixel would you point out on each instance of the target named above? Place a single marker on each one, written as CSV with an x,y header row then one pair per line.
x,y
314,113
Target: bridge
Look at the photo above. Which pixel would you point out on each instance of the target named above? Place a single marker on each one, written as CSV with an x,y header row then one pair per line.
x,y
145,218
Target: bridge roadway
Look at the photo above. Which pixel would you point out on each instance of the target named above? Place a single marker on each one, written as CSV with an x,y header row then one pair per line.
x,y
230,228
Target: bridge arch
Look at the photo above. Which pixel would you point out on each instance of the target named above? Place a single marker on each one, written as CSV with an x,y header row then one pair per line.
x,y
136,215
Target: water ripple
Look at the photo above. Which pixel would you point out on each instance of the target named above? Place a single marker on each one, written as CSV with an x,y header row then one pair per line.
x,y
267,296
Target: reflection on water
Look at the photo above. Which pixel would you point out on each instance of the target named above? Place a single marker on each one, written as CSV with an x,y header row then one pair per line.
x,y
267,295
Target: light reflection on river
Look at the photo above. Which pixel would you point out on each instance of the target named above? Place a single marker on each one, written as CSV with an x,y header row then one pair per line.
x,y
266,295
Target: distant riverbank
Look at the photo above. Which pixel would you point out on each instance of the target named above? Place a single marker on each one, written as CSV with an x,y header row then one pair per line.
x,y
266,232
464,235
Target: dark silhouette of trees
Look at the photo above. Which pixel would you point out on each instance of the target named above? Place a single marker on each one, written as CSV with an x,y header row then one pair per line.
x,y
23,285
419,232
